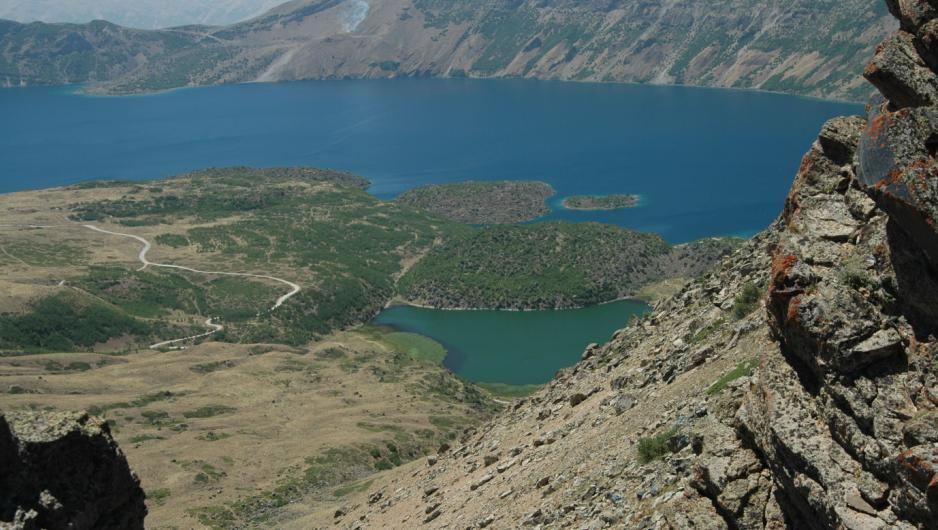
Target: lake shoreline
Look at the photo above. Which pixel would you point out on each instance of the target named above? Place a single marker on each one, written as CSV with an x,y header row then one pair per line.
x,y
89,88
400,302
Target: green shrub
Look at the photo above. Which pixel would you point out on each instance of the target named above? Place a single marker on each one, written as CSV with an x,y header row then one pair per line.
x,y
746,301
208,411
140,438
744,369
172,240
655,447
212,436
159,496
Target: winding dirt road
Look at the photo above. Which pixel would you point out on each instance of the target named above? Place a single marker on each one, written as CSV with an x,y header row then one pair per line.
x,y
142,257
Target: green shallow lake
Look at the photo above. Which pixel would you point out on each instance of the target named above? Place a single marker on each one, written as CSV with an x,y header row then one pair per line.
x,y
516,348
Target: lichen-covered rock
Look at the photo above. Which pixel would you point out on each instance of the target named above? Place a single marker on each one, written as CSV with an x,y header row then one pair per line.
x,y
842,413
898,168
63,470
840,137
900,73
913,13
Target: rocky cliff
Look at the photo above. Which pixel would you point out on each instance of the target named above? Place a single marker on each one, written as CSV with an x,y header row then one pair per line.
x,y
817,409
761,44
63,470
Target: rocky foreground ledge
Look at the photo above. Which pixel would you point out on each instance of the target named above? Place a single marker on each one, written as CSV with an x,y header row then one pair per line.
x,y
64,470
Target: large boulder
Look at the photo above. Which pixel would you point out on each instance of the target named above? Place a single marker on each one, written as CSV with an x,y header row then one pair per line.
x,y
897,166
900,73
64,470
912,14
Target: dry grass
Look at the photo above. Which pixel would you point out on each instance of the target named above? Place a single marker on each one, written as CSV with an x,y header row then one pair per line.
x,y
284,408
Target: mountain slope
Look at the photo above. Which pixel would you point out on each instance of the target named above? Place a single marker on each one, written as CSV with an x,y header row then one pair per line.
x,y
144,14
730,43
817,409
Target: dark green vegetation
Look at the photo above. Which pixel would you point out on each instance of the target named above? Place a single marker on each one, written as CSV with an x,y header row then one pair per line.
x,y
350,252
747,301
655,447
140,402
744,369
208,411
41,254
737,43
600,202
548,265
317,227
483,203
502,390
155,293
70,322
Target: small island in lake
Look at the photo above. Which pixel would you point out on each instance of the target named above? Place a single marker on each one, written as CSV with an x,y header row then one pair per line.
x,y
600,202
483,202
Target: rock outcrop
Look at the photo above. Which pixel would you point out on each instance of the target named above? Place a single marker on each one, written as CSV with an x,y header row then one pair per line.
x,y
818,410
845,413
63,470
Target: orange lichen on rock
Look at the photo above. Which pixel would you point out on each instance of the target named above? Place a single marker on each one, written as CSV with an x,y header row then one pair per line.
x,y
793,306
781,264
877,125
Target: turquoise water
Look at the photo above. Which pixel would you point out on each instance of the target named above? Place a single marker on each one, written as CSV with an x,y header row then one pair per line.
x,y
516,348
706,162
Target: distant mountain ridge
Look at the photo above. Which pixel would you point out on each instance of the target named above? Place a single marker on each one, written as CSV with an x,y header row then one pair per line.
x,y
143,14
761,44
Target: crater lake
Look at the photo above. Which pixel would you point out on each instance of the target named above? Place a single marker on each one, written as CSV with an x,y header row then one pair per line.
x,y
705,161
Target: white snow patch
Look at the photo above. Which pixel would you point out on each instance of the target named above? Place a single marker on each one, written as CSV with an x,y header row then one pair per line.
x,y
355,13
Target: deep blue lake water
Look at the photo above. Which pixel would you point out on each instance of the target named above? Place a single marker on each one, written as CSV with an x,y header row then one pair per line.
x,y
706,162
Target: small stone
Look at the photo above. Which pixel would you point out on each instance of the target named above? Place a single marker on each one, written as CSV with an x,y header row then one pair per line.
x,y
533,517
543,482
623,404
489,519
482,481
432,460
430,491
590,351
576,399
856,502
375,497
489,460
432,516
505,466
